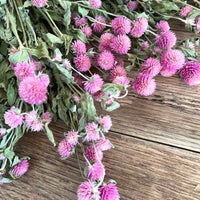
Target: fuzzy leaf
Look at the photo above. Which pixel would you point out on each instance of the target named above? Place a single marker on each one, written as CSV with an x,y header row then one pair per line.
x,y
20,56
50,135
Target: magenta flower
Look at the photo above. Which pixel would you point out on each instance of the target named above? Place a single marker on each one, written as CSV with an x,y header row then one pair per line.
x,y
185,11
168,72
132,5
2,132
95,3
106,122
47,117
39,3
106,60
93,155
44,78
37,126
105,40
87,31
117,71
119,62
82,63
79,47
96,171
64,148
121,25
92,132
77,79
103,144
30,118
72,137
21,168
198,24
122,80
80,22
99,27
162,25
109,192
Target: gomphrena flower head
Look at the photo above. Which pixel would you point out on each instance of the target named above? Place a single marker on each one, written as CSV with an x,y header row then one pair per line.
x,y
72,137
94,84
166,40
121,44
21,168
191,73
64,148
99,27
79,47
96,171
30,118
144,85
37,125
44,78
198,24
185,11
24,70
106,60
13,117
2,132
140,26
87,31
109,192
82,62
121,25
106,122
46,117
122,80
39,3
162,25
80,22
151,67
93,155
33,90
92,132
105,40
132,5
117,71
103,144
168,72
172,59
95,3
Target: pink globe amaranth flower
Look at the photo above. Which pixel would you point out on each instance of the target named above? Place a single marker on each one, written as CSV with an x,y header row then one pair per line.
x,y
151,67
132,5
144,46
2,132
94,84
185,11
162,25
105,40
166,40
24,70
103,144
74,17
109,192
140,26
36,65
144,85
121,25
44,78
64,148
72,137
39,3
33,90
119,62
121,44
106,122
30,118
79,47
21,168
82,63
172,59
93,155
198,24
80,22
97,95
96,172
86,191
47,117
37,126
168,72
67,64
92,132
122,80
77,79
13,117
191,73
97,27
117,71
106,60
87,31
95,3
75,97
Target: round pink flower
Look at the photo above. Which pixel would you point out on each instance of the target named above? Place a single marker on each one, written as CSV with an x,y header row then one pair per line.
x,y
99,27
79,47
106,60
30,118
72,137
91,155
144,85
87,31
39,3
132,5
82,63
36,65
95,3
166,40
140,26
121,25
109,192
37,126
21,168
122,80
47,117
151,67
74,17
33,90
106,122
64,148
168,72
105,40
117,71
80,22
191,73
103,144
13,117
121,44
96,171
44,78
92,132
94,84
162,25
198,24
185,11
2,132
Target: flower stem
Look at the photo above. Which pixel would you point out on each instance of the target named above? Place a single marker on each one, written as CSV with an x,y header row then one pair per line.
x,y
186,4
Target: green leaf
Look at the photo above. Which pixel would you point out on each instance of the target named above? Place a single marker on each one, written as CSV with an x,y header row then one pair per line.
x,y
15,161
8,153
84,12
52,40
6,180
27,4
2,2
20,56
50,134
112,89
114,106
12,92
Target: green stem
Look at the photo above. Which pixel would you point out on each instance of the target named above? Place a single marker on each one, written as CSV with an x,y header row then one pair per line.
x,y
96,21
79,164
186,4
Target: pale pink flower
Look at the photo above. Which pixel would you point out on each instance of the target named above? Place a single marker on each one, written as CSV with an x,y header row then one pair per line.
x,y
64,148
162,25
198,24
39,3
95,3
93,155
2,132
121,25
67,64
80,22
44,78
82,63
105,40
185,11
72,137
132,5
99,27
117,71
106,122
36,65
87,31
58,57
92,132
122,80
166,40
106,60
30,118
21,168
158,50
47,117
103,144
37,125
166,72
109,192
79,47
96,171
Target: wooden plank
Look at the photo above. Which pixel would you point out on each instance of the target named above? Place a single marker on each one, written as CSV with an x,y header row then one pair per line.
x,y
143,170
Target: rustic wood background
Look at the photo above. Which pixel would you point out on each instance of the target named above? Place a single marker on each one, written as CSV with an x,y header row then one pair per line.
x,y
157,154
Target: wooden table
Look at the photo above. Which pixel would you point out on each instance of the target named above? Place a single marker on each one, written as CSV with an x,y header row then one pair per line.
x,y
157,154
